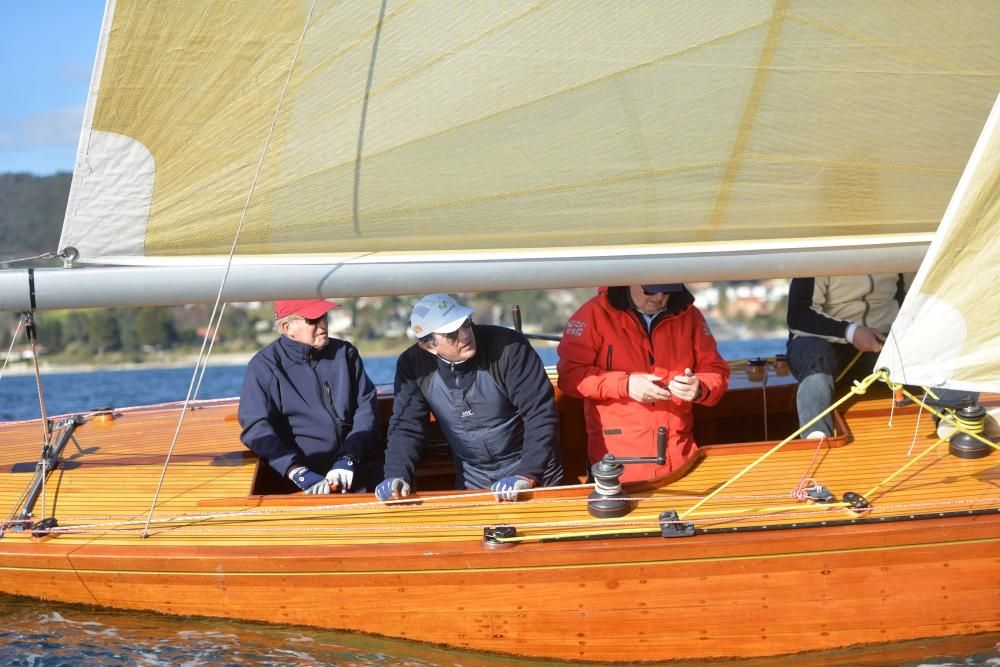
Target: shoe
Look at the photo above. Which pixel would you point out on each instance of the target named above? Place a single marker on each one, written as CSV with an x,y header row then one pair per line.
x,y
816,435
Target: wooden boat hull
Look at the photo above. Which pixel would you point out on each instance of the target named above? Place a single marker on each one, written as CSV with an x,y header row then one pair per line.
x,y
754,581
746,594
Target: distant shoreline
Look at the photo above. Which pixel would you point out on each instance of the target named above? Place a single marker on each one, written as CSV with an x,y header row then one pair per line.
x,y
228,359
21,368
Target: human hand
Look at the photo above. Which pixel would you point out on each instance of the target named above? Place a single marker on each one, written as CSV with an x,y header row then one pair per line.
x,y
508,487
341,474
644,388
867,339
392,489
309,481
686,387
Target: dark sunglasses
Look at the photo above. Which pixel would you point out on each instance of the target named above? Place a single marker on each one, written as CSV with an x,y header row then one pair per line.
x,y
313,321
453,336
648,293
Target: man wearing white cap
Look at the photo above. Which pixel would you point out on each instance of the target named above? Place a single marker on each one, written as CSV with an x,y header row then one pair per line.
x,y
490,395
308,408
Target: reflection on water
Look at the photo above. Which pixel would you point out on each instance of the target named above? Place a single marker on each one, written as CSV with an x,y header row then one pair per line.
x,y
43,634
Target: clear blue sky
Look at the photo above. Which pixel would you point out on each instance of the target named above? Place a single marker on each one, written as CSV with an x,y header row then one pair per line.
x,y
47,50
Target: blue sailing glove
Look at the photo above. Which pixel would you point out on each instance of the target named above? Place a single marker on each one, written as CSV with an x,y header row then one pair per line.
x,y
309,481
392,488
508,487
341,475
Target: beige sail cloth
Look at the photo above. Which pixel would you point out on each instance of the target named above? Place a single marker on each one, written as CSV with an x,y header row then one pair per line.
x,y
334,127
947,332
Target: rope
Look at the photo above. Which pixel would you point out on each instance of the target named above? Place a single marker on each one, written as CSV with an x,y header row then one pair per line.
x,y
763,393
211,345
44,255
799,493
904,468
213,324
13,339
848,367
951,419
858,388
916,427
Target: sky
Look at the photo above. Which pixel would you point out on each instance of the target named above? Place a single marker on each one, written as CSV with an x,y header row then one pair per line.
x,y
47,50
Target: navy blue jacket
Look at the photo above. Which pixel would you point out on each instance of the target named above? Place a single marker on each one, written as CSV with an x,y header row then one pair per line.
x,y
306,407
528,447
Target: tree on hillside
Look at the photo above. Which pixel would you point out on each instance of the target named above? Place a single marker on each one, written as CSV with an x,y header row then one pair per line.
x,y
31,213
103,333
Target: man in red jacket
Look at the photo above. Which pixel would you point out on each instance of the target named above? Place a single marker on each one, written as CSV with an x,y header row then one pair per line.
x,y
640,356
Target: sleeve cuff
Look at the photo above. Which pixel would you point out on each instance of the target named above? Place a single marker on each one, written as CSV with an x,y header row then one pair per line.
x,y
851,328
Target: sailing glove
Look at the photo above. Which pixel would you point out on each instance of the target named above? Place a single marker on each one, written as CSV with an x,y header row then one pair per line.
x,y
309,481
508,487
341,475
394,487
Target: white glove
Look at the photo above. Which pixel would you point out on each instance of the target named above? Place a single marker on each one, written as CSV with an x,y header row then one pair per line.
x,y
340,478
309,481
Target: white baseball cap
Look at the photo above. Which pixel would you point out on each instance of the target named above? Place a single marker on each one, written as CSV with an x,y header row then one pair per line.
x,y
437,313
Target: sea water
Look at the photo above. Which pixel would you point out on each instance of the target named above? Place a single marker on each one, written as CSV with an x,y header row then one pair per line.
x,y
44,634
67,392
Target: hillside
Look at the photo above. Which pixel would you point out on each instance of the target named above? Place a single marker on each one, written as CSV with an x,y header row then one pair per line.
x,y
31,213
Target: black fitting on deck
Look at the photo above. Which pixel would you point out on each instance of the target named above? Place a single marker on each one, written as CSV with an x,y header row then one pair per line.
x,y
493,536
672,526
857,502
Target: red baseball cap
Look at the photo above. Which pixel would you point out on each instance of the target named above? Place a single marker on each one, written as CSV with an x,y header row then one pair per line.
x,y
307,308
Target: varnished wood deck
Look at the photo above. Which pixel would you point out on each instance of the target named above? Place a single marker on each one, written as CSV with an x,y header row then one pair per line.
x,y
577,587
104,492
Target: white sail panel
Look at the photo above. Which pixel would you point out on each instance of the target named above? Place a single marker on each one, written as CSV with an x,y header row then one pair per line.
x,y
947,330
480,125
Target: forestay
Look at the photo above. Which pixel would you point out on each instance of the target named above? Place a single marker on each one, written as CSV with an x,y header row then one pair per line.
x,y
948,328
571,128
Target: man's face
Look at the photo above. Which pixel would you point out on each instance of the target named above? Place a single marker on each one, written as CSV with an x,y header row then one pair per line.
x,y
311,332
456,346
651,304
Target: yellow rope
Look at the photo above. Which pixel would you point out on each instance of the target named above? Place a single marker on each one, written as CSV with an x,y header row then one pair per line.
x,y
903,469
848,367
946,417
858,388
767,510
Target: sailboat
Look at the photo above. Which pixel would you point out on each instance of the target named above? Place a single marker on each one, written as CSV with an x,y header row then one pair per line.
x,y
337,149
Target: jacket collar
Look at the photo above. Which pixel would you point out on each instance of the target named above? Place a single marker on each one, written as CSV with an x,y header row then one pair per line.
x,y
299,353
676,304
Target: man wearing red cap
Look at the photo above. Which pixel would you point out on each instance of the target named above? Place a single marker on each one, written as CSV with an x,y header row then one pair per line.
x,y
307,406
640,356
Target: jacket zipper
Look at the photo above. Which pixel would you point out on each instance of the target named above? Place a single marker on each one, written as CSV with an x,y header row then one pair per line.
x,y
611,348
328,404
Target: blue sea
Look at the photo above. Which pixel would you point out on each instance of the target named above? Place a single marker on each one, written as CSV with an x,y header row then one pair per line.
x,y
42,634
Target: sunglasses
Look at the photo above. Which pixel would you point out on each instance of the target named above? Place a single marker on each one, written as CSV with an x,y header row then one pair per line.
x,y
648,293
313,321
453,336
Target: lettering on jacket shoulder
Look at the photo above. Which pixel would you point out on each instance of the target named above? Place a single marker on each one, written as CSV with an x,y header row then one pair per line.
x,y
575,328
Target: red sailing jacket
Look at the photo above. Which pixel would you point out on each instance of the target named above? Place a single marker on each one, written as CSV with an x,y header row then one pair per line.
x,y
604,342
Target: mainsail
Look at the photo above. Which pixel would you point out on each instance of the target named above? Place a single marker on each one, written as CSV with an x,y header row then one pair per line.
x,y
417,145
947,331
482,125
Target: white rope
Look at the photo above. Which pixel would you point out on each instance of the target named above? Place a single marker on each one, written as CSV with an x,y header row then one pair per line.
x,y
916,427
213,323
13,339
806,512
